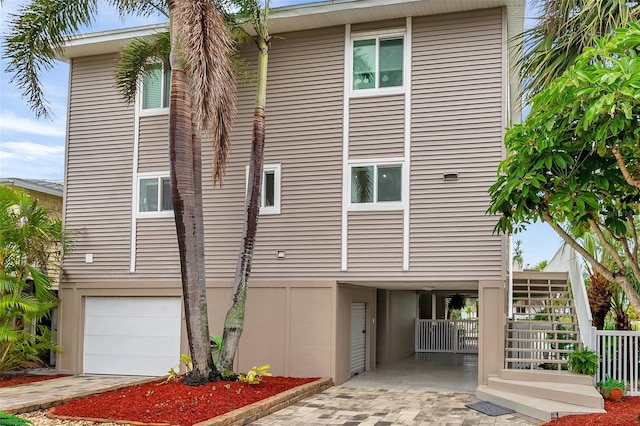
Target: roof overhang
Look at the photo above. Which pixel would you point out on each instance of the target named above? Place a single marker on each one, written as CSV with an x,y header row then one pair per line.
x,y
308,16
45,187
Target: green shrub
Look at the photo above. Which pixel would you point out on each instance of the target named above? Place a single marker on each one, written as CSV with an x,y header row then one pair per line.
x,y
11,420
584,361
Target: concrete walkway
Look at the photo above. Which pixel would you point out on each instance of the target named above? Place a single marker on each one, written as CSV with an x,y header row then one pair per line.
x,y
338,405
342,405
44,394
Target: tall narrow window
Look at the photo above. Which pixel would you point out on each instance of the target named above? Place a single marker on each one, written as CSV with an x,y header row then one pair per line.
x,y
378,63
270,199
155,87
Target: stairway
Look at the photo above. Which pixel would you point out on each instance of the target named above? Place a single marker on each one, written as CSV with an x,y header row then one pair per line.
x,y
539,338
544,327
543,394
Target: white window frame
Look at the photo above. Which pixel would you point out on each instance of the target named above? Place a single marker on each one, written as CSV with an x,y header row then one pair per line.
x,y
145,112
277,172
377,205
159,213
379,35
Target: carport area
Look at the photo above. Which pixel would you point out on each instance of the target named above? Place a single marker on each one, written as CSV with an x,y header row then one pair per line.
x,y
437,372
410,340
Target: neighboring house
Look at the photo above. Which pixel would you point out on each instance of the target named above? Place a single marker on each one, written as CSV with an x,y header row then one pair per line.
x,y
407,98
48,193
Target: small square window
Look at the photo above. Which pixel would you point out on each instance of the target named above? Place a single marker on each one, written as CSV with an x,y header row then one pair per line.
x,y
270,196
154,195
376,184
378,63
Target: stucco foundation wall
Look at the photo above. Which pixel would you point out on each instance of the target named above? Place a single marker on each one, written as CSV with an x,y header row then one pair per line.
x,y
347,294
491,333
289,324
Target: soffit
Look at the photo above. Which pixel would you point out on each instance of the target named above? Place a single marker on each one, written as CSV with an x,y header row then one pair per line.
x,y
308,16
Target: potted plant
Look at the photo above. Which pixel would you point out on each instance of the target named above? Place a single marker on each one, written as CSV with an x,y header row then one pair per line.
x,y
611,389
584,361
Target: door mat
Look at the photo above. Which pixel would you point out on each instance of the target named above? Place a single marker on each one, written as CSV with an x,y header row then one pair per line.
x,y
489,408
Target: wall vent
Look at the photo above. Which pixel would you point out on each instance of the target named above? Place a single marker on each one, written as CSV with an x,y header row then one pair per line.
x,y
449,176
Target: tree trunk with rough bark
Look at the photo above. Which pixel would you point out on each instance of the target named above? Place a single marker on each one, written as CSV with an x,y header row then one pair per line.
x,y
234,321
185,154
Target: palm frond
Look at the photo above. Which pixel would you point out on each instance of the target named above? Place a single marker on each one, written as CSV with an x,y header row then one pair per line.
x,y
205,45
137,58
142,8
563,30
35,33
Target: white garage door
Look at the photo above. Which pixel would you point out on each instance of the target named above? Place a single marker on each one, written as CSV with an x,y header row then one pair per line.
x,y
131,335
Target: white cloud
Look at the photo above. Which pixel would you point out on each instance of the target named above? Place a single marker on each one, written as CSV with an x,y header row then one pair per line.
x,y
14,123
31,160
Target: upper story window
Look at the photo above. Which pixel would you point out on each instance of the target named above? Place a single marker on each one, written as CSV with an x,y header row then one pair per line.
x,y
155,87
154,194
376,185
270,199
378,62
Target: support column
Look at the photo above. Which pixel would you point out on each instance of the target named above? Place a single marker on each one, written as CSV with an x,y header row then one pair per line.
x,y
491,325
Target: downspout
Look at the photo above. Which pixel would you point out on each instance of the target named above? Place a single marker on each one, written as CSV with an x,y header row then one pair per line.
x,y
510,289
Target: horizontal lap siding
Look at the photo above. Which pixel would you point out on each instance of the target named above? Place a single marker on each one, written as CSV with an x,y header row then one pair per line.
x,y
456,127
375,243
376,127
99,161
157,248
304,135
153,148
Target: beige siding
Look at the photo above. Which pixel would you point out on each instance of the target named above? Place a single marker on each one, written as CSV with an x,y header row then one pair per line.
x,y
375,243
304,136
153,147
157,248
99,162
376,127
456,127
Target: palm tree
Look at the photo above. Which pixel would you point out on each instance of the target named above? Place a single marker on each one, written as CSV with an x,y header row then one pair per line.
x,y
31,242
258,15
202,101
563,30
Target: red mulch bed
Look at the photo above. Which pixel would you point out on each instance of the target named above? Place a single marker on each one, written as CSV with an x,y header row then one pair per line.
x,y
621,413
6,381
174,403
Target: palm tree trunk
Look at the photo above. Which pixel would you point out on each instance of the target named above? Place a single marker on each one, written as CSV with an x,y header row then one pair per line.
x,y
234,322
185,155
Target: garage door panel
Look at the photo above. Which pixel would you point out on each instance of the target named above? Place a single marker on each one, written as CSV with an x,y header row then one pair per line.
x,y
132,306
121,326
121,345
131,335
142,365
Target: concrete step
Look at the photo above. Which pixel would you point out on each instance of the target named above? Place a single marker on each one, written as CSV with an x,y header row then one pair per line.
x,y
539,408
546,376
585,395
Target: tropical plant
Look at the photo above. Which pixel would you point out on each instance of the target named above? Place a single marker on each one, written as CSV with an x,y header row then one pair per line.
x,y
574,161
562,31
608,385
584,361
456,303
257,14
518,259
255,375
541,265
202,102
12,420
31,242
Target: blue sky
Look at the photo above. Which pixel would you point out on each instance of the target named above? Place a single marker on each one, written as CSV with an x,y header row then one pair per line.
x,y
34,148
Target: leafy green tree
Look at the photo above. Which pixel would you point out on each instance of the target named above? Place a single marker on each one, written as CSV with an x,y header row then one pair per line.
x,y
202,102
31,243
564,29
541,265
575,159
